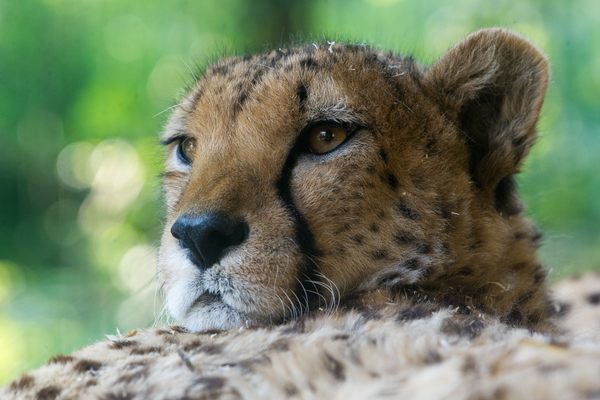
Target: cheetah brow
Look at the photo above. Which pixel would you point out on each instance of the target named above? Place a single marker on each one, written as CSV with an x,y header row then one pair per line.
x,y
177,136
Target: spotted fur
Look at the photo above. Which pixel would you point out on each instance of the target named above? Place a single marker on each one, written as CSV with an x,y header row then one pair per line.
x,y
406,349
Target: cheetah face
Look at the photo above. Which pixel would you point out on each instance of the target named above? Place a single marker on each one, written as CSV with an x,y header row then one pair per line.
x,y
297,177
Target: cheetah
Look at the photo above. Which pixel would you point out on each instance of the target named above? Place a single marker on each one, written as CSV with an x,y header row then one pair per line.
x,y
330,175
342,222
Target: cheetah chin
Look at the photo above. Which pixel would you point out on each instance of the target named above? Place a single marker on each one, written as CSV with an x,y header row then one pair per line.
x,y
340,176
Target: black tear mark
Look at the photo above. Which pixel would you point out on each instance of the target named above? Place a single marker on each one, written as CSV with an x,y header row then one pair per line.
x,y
307,288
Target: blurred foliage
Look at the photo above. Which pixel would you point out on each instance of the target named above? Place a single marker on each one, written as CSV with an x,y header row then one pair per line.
x,y
84,89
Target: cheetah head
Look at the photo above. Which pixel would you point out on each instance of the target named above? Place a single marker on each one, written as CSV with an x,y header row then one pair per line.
x,y
297,178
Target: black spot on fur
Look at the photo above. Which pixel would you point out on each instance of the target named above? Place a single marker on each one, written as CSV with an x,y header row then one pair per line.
x,y
374,228
60,359
340,336
380,254
383,155
220,70
24,382
519,266
446,248
193,345
432,357
413,312
411,264
464,327
343,228
87,366
145,350
290,390
391,179
424,248
534,318
280,345
402,237
467,270
594,298
514,317
119,344
257,78
308,63
48,393
302,93
406,211
430,145
210,348
358,239
335,367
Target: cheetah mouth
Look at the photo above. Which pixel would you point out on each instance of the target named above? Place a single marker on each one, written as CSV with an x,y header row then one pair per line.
x,y
206,299
210,312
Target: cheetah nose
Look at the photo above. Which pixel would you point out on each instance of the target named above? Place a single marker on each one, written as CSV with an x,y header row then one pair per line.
x,y
208,236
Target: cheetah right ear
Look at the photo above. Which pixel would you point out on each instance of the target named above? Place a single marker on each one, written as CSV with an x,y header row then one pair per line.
x,y
492,84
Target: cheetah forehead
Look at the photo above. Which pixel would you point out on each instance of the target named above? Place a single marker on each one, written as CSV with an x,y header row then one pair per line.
x,y
312,74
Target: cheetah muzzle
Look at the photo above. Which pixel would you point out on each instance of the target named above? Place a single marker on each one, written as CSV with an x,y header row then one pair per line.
x,y
341,176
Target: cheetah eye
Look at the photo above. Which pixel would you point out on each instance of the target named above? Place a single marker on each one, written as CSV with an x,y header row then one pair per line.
x,y
186,148
325,137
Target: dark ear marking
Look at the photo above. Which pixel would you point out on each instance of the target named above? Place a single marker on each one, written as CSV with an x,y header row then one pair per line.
x,y
493,85
506,199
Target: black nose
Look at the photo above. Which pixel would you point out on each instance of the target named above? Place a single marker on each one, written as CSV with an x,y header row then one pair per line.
x,y
207,236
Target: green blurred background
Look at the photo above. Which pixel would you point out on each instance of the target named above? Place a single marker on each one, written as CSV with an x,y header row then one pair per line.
x,y
83,87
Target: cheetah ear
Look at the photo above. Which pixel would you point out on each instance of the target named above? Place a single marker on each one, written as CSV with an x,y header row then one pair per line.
x,y
493,83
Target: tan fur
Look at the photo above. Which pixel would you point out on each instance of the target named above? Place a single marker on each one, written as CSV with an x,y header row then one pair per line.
x,y
420,199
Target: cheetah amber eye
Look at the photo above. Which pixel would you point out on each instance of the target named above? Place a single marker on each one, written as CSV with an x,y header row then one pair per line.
x,y
323,138
186,149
